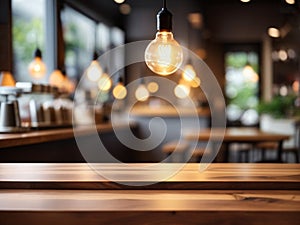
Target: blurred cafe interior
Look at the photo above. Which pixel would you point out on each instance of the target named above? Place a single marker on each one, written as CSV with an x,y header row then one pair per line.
x,y
137,82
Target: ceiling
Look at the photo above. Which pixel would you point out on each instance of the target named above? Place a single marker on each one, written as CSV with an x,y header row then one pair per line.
x,y
222,17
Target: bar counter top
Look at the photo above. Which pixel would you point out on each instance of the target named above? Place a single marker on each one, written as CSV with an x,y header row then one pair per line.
x,y
215,176
53,134
252,194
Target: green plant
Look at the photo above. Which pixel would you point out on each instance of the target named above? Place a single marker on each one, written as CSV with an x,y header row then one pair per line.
x,y
279,107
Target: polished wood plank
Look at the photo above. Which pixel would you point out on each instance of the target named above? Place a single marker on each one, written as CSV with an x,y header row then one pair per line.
x,y
40,136
149,207
216,176
235,134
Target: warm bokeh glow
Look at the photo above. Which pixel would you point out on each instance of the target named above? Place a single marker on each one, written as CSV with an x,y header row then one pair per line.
x,y
291,2
37,68
94,71
153,87
181,91
295,86
68,85
141,93
282,54
104,83
119,91
163,55
57,79
273,32
250,74
195,82
188,73
119,1
6,79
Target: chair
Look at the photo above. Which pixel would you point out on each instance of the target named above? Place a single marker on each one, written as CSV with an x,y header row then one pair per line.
x,y
286,150
296,148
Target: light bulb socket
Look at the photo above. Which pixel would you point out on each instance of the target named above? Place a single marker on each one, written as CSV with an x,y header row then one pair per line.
x,y
164,20
95,55
37,53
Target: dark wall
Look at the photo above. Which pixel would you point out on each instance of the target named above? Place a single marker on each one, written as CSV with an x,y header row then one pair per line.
x,y
5,36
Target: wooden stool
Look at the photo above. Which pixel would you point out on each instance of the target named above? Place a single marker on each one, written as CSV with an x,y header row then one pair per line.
x,y
264,146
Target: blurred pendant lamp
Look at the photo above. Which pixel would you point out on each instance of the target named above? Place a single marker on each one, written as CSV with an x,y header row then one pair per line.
x,y
56,78
142,93
182,89
119,91
94,71
37,68
189,72
164,55
104,82
6,79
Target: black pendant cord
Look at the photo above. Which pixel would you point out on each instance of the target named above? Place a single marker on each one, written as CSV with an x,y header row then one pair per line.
x,y
95,54
164,18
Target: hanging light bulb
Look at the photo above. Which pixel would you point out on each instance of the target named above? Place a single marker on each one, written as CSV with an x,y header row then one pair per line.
x,y
188,73
141,92
94,71
164,55
6,79
37,68
120,92
104,83
56,78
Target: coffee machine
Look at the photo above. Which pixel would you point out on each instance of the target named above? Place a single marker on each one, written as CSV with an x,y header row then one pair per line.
x,y
10,121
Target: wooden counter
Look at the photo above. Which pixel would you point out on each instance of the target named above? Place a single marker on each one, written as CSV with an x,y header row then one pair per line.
x,y
251,194
88,207
40,136
215,177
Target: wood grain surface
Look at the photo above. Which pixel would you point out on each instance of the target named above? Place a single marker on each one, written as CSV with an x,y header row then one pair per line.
x,y
235,134
215,176
40,136
148,207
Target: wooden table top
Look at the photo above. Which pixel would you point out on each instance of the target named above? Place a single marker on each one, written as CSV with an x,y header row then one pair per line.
x,y
40,136
134,207
216,176
235,134
252,194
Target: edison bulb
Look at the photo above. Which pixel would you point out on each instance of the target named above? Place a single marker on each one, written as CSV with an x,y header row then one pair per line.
x,y
119,91
188,73
37,68
104,83
141,93
94,71
163,55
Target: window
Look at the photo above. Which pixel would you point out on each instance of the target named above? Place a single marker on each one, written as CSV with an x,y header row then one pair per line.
x,y
242,86
79,38
28,34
